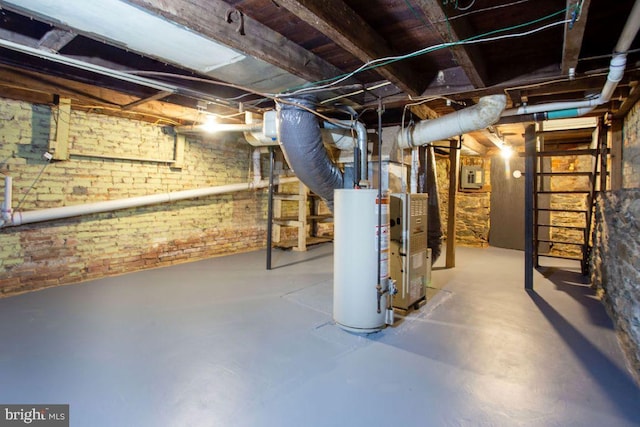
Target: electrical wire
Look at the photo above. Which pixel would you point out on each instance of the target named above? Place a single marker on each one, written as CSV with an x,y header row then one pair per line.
x,y
416,14
33,183
466,7
482,10
480,38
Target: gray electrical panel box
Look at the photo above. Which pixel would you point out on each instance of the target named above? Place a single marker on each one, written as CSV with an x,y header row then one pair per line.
x,y
472,177
410,260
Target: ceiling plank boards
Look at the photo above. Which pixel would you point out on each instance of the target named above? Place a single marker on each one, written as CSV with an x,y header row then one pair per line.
x,y
573,34
208,17
468,57
345,27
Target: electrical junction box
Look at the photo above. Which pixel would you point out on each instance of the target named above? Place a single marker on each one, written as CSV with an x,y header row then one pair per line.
x,y
472,177
410,259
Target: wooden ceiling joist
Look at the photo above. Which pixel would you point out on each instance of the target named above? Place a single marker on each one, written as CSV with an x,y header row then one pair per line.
x,y
208,17
467,56
346,28
573,34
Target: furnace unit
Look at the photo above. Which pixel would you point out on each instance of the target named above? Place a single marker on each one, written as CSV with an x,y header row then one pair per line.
x,y
410,259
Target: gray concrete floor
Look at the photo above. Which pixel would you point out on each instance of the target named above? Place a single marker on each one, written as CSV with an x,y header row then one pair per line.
x,y
223,342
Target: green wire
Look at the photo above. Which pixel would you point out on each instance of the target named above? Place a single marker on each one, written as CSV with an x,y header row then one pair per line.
x,y
433,49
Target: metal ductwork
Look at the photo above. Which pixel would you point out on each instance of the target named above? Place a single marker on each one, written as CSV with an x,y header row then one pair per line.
x,y
485,113
561,110
301,142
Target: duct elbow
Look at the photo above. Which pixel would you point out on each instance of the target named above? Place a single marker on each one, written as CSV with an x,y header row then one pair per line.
x,y
485,113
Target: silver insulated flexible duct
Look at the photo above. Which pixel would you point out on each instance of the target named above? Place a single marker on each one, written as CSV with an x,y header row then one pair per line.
x,y
301,142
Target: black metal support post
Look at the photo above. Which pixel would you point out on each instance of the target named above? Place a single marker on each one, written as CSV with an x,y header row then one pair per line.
x,y
272,160
529,177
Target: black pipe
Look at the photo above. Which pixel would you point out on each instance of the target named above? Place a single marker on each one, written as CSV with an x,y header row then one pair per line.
x,y
272,157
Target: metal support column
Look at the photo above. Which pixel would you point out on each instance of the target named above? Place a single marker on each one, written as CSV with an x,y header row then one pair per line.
x,y
454,172
529,177
272,159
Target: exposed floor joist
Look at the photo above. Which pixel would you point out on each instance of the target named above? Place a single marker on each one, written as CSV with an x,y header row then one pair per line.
x,y
258,41
34,88
573,34
466,56
344,26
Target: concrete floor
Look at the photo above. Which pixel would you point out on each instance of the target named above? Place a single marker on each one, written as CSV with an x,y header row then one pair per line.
x,y
223,342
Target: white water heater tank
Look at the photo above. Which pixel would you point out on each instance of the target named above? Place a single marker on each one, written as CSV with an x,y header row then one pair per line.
x,y
357,237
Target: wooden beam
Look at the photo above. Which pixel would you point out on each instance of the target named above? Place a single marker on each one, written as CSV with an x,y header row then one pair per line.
x,y
60,147
472,144
615,143
629,101
157,96
55,39
573,34
468,57
259,41
27,86
346,28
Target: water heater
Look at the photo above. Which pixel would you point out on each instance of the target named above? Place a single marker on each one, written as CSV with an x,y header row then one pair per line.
x,y
361,252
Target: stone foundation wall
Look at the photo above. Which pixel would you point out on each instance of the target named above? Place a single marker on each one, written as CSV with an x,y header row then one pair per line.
x,y
616,270
77,249
631,149
473,207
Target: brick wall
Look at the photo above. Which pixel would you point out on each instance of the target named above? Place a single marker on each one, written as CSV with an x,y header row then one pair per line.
x,y
72,250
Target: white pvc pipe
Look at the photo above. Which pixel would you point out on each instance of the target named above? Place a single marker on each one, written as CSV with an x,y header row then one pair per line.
x,y
8,196
257,167
631,28
552,106
220,127
616,72
485,113
20,218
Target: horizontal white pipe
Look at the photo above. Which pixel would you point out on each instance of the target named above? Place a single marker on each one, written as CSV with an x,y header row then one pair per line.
x,y
485,113
552,106
20,218
616,72
220,127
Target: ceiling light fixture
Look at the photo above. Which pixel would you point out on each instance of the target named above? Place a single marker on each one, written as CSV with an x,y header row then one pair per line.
x,y
210,124
506,151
